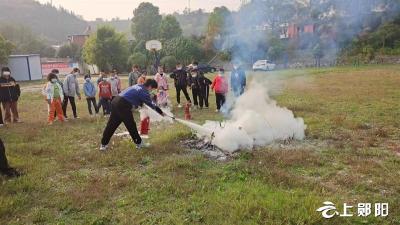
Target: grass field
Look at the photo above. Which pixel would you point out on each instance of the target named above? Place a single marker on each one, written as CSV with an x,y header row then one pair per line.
x,y
351,155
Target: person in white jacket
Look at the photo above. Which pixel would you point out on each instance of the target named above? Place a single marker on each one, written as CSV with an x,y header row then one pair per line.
x,y
55,96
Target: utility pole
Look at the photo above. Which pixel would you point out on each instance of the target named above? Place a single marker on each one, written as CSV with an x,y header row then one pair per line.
x,y
189,6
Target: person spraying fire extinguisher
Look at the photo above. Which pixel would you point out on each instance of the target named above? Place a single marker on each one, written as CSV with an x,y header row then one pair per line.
x,y
121,111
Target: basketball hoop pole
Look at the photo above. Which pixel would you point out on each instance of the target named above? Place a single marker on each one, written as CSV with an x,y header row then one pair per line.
x,y
157,60
154,46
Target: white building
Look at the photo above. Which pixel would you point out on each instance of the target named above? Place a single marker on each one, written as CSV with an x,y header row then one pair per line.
x,y
25,67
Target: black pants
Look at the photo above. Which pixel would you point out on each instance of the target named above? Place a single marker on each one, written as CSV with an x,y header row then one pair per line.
x,y
1,116
92,101
105,104
199,96
120,113
180,88
3,158
206,95
73,105
220,100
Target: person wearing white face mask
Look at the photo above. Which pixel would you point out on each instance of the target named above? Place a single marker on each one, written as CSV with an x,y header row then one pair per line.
x,y
114,86
197,84
162,82
71,89
121,111
181,82
220,86
9,95
238,79
90,92
54,95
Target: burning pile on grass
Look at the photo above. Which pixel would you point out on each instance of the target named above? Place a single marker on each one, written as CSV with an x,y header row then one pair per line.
x,y
255,121
206,148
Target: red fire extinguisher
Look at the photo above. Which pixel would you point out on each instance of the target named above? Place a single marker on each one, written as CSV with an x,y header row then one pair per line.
x,y
145,126
187,111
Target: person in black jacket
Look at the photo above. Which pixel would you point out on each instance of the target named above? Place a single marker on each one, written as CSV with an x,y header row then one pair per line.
x,y
197,82
5,169
205,84
181,82
9,95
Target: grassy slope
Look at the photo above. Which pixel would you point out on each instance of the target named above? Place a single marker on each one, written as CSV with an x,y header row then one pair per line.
x,y
353,127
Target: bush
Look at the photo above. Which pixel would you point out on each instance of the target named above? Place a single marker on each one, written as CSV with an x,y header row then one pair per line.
x,y
169,62
225,56
137,59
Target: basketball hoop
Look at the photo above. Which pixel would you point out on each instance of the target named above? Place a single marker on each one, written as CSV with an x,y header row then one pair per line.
x,y
153,45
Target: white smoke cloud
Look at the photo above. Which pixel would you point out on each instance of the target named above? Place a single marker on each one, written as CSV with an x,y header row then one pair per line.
x,y
256,120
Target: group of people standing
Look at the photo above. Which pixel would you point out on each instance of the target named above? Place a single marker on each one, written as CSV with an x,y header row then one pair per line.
x,y
194,79
58,94
118,104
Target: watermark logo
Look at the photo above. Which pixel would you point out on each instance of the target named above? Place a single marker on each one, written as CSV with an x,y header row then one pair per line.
x,y
329,210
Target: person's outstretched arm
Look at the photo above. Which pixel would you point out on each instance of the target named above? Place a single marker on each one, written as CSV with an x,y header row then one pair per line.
x,y
147,100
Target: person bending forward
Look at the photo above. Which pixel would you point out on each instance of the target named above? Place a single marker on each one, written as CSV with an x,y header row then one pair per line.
x,y
121,111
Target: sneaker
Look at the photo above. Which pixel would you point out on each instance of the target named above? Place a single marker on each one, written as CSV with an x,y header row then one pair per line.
x,y
103,148
1,124
10,172
77,117
179,106
142,145
50,123
217,111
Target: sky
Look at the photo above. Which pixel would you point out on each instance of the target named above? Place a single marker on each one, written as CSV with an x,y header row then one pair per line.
x,y
123,9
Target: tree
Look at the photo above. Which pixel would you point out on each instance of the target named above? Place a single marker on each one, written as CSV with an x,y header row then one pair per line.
x,y
183,49
219,26
138,59
146,22
6,48
72,51
25,41
169,62
107,49
276,48
170,28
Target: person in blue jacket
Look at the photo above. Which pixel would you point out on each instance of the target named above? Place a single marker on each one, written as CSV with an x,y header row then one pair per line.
x,y
121,111
238,80
90,93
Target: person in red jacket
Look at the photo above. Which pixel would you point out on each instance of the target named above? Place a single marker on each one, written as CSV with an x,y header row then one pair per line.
x,y
105,96
220,86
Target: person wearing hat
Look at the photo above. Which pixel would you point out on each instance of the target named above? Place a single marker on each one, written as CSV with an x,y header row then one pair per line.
x,y
9,95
